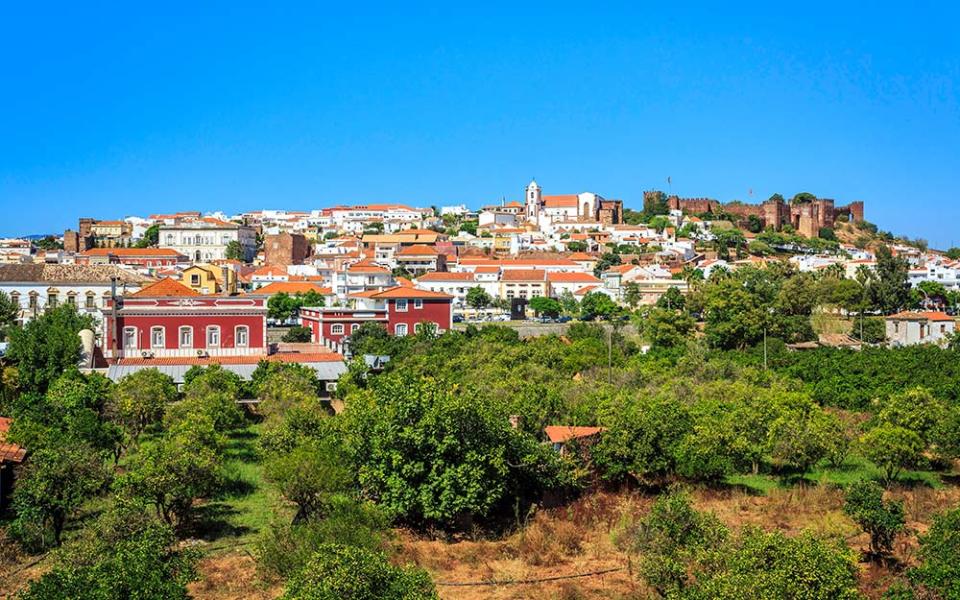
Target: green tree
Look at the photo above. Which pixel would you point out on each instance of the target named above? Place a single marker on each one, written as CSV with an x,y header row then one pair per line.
x,y
631,294
915,409
597,305
176,470
606,260
140,399
210,392
461,459
939,570
298,334
671,538
310,476
892,448
337,572
772,565
59,477
47,346
477,298
151,237
642,438
890,290
672,299
9,312
666,328
142,564
548,307
234,251
281,307
883,520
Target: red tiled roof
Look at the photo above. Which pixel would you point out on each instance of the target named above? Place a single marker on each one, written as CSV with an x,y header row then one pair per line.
x,y
270,270
560,201
524,275
292,287
921,316
406,292
436,276
361,267
563,277
585,290
165,288
564,433
166,252
417,250
581,256
9,452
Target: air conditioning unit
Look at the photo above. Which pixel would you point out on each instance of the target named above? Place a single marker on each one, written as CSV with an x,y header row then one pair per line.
x,y
331,386
202,353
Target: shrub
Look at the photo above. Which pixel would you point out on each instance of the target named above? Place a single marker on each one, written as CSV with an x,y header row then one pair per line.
x,y
338,572
882,520
298,334
939,568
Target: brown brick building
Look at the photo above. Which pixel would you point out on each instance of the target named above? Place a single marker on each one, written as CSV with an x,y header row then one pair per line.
x,y
286,249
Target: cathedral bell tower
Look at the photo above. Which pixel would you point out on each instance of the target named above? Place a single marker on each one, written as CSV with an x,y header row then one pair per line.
x,y
532,201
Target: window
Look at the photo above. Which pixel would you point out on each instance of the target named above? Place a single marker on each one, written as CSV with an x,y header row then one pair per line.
x,y
400,329
418,303
156,337
91,301
72,299
186,337
336,329
401,306
51,300
129,338
354,327
213,336
243,336
194,279
33,301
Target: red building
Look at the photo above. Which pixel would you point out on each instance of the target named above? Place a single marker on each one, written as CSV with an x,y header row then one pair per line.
x,y
139,257
168,319
400,309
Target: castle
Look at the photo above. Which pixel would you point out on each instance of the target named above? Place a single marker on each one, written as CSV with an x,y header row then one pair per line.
x,y
806,215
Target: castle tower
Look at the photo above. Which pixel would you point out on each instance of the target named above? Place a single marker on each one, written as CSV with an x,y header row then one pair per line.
x,y
532,200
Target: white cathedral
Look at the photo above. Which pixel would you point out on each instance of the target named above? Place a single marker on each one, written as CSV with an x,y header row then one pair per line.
x,y
547,210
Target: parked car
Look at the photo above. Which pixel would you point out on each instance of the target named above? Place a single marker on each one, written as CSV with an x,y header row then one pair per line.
x,y
458,318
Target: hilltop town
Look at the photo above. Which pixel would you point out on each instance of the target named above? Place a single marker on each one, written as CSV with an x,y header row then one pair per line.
x,y
460,403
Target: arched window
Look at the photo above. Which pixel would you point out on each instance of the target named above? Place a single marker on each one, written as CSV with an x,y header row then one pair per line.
x,y
354,327
186,337
400,329
242,336
157,337
213,336
336,329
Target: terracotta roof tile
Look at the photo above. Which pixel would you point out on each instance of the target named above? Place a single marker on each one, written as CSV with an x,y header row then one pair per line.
x,y
165,288
564,433
291,287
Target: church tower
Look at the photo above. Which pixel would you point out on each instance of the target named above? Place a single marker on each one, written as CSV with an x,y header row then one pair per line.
x,y
532,200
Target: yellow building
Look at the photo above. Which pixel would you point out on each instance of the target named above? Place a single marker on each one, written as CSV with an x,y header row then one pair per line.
x,y
210,279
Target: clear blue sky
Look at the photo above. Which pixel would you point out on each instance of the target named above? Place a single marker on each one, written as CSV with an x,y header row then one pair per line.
x,y
108,110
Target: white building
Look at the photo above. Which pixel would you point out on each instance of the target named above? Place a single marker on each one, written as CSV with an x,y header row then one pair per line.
x,y
910,328
37,287
206,239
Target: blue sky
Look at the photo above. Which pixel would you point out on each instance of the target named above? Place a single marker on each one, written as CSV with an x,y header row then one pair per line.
x,y
108,110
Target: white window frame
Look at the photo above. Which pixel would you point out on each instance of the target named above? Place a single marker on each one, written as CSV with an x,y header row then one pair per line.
x,y
418,303
354,327
397,329
401,302
336,329
213,329
189,331
133,337
236,336
163,337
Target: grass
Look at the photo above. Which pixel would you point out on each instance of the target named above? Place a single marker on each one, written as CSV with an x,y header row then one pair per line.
x,y
248,503
855,468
